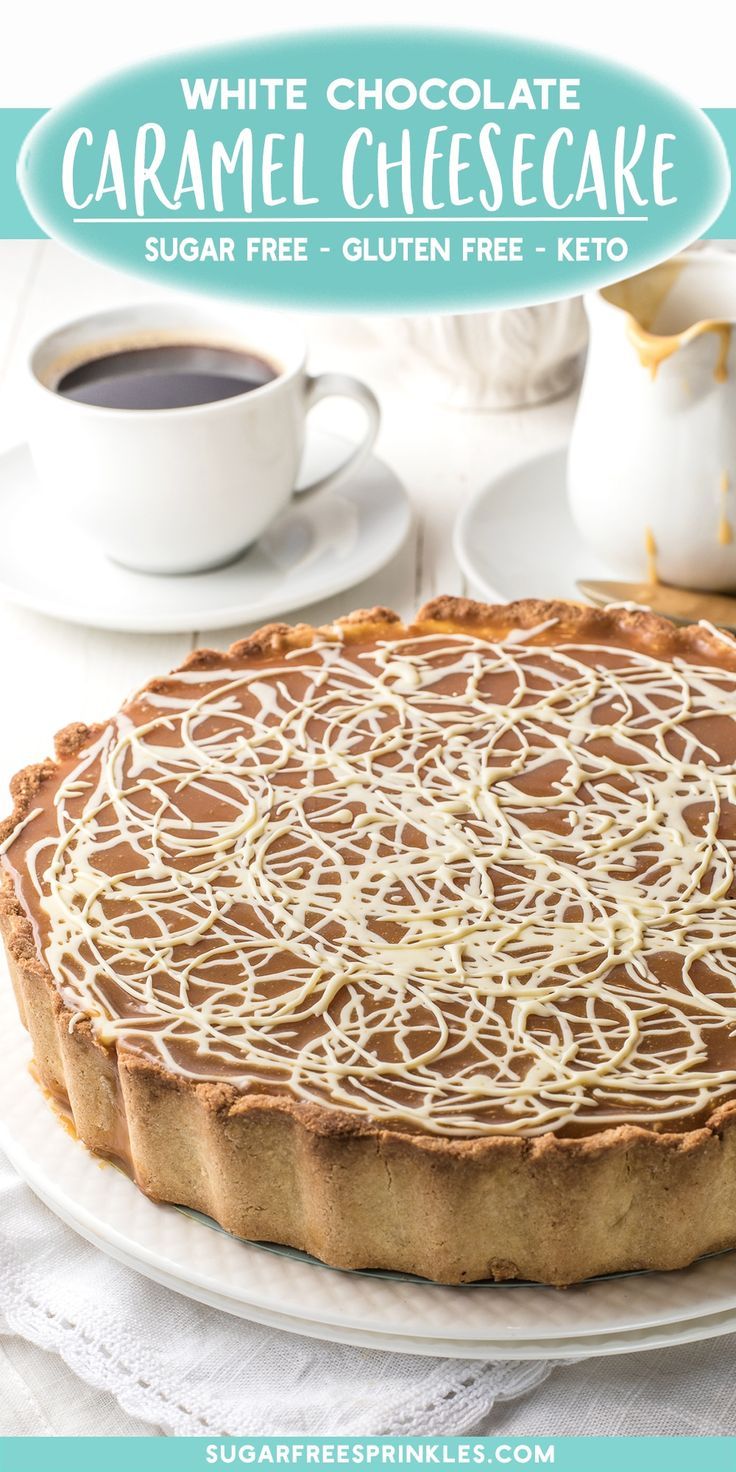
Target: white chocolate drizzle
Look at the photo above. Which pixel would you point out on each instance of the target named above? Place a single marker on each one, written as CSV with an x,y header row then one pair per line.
x,y
465,887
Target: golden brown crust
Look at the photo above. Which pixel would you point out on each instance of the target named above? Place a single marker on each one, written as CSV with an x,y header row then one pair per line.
x,y
338,1185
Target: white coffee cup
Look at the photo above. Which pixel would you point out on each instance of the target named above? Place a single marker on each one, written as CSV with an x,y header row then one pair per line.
x,y
185,489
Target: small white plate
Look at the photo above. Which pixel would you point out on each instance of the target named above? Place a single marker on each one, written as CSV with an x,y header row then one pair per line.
x,y
495,1321
516,539
316,548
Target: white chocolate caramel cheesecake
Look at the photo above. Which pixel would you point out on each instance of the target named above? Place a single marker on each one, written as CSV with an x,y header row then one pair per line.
x,y
412,946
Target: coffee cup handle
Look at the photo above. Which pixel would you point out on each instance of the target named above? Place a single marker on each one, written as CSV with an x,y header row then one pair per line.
x,y
342,386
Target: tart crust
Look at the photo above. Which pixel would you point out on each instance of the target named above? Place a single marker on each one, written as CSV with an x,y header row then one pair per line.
x,y
333,1183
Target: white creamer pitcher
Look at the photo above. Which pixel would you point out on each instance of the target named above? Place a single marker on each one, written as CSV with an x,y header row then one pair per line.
x,y
652,464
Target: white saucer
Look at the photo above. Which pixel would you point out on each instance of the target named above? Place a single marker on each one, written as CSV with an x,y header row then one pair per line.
x,y
317,548
494,1321
516,539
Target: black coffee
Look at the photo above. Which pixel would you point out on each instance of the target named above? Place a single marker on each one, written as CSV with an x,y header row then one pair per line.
x,y
171,376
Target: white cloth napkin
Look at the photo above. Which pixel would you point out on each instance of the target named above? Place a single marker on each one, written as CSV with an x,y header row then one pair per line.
x,y
194,1371
92,1348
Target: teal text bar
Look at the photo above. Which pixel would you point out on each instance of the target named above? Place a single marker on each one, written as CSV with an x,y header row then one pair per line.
x,y
17,223
197,1454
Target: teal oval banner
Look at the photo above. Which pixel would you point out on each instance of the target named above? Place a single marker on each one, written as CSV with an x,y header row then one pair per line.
x,y
380,170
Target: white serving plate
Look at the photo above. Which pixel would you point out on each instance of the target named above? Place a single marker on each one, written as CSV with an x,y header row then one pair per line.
x,y
494,1321
515,538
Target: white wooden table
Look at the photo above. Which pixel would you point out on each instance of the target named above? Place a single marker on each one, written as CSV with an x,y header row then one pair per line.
x,y
70,673
67,673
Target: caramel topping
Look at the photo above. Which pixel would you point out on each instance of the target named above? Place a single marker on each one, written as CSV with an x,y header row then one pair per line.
x,y
653,349
650,547
643,299
451,885
725,530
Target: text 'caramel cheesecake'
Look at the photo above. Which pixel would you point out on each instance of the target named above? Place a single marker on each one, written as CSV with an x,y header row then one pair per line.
x,y
413,947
